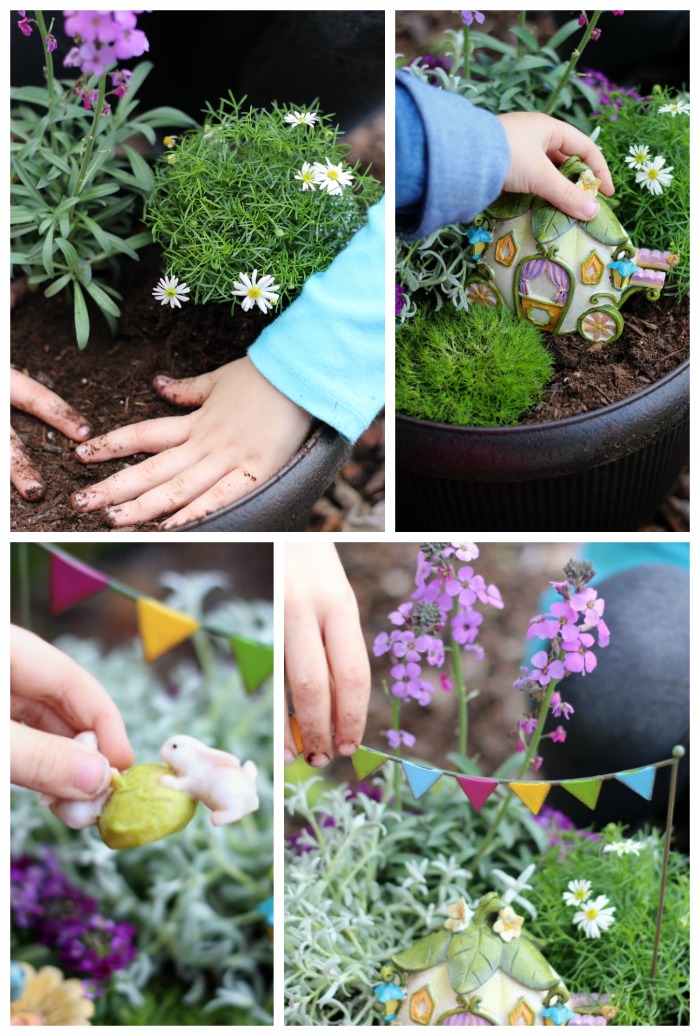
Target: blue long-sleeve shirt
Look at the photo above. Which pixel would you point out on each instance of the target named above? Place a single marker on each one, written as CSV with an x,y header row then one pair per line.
x,y
326,350
451,158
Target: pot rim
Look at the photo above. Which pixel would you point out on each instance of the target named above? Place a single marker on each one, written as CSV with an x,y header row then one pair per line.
x,y
560,423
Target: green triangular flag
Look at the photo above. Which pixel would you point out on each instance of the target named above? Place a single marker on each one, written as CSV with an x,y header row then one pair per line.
x,y
585,790
366,760
255,660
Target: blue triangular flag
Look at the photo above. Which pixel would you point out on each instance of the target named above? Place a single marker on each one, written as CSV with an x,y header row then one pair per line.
x,y
641,781
420,778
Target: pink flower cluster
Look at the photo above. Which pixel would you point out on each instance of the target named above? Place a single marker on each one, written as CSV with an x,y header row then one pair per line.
x,y
571,626
447,591
103,38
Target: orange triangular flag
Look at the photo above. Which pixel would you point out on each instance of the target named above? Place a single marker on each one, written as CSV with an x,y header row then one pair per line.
x,y
161,628
532,793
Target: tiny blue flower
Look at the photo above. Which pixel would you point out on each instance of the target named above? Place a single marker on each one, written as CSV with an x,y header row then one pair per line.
x,y
475,234
625,267
266,910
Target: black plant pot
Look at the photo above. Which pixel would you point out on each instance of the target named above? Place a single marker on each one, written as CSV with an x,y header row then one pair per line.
x,y
284,502
603,471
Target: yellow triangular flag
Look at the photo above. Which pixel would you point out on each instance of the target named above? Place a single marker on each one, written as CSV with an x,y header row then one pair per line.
x,y
162,628
532,793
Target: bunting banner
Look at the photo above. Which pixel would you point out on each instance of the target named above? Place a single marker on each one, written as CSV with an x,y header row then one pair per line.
x,y
478,790
160,628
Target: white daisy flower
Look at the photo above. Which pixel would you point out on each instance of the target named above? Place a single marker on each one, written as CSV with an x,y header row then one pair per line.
x,y
653,177
595,917
332,178
308,176
170,290
261,293
301,118
624,848
677,107
578,893
639,154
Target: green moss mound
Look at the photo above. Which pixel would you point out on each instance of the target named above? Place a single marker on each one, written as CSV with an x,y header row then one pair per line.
x,y
483,367
141,810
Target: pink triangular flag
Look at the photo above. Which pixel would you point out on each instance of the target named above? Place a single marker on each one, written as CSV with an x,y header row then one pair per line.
x,y
477,789
71,582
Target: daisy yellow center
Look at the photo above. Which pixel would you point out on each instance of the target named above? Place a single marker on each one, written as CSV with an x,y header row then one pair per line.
x,y
580,895
652,173
171,292
254,293
332,174
591,913
308,176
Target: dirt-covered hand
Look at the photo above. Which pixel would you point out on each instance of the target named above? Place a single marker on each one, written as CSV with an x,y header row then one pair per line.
x,y
325,657
538,144
242,432
28,395
52,699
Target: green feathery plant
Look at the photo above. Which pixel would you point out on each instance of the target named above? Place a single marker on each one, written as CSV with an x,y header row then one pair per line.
x,y
657,219
243,194
483,367
78,182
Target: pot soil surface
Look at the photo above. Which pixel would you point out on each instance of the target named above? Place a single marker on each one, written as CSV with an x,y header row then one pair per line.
x,y
110,381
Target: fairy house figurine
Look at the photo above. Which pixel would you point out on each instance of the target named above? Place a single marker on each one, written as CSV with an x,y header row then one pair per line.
x,y
562,274
480,969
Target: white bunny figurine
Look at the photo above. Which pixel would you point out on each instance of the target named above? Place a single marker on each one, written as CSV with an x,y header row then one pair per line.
x,y
216,778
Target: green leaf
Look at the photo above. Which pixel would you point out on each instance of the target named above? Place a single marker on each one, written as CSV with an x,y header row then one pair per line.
x,y
58,285
509,205
140,240
80,316
511,765
425,953
47,252
140,168
606,227
480,39
103,300
33,94
568,29
71,256
548,223
523,961
474,956
526,37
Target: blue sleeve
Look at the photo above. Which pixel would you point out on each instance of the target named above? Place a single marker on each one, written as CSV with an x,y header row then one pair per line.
x,y
326,350
451,158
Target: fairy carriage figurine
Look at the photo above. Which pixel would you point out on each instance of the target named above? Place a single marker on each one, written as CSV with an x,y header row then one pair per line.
x,y
560,273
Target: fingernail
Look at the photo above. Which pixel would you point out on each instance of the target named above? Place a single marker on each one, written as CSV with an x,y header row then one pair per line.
x,y
79,500
113,512
591,209
93,775
166,524
318,759
289,756
163,379
84,431
34,491
347,748
82,450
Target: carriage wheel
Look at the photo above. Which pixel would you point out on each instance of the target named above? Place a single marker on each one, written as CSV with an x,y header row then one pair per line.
x,y
481,291
600,325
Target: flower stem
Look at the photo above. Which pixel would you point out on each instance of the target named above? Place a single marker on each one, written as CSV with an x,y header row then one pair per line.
x,y
524,767
521,25
463,713
551,104
102,88
48,58
395,725
467,52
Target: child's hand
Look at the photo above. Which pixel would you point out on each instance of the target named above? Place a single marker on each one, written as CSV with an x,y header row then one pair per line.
x,y
243,431
325,658
52,699
28,395
536,142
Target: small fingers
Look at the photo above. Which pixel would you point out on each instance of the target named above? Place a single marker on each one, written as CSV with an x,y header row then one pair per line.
x,y
226,491
161,433
350,670
309,685
28,395
185,391
55,765
24,475
133,482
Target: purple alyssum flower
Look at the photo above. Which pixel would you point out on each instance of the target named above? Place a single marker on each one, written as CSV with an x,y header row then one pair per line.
x,y
396,738
558,735
25,25
579,657
469,17
545,669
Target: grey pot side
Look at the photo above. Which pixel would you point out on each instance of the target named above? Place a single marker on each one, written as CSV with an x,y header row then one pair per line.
x,y
606,470
284,502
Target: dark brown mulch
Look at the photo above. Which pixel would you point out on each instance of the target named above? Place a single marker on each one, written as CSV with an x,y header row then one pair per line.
x,y
655,340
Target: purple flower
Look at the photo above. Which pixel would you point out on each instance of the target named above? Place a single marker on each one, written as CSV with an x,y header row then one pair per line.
x,y
436,652
401,614
421,691
560,620
25,26
465,586
466,551
96,946
546,671
382,644
120,81
469,17
582,20
465,626
561,708
589,605
618,12
50,42
129,43
579,658
595,35
558,735
536,763
529,725
90,26
395,738
603,634
400,300
445,682
406,677
407,645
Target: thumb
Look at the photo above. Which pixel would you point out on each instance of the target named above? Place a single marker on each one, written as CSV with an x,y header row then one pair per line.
x,y
564,195
185,391
54,765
